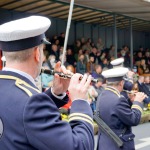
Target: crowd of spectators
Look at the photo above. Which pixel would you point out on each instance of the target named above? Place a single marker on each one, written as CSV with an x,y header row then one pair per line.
x,y
85,56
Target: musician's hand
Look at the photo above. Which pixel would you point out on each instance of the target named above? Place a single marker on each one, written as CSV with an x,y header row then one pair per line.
x,y
140,96
132,95
60,85
78,89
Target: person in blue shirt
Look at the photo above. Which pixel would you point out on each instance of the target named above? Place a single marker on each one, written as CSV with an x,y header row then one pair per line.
x,y
81,66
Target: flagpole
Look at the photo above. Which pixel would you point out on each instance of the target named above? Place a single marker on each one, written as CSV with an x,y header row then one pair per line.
x,y
67,31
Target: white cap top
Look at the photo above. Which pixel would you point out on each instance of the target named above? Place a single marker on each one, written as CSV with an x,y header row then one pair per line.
x,y
24,28
117,62
115,73
24,33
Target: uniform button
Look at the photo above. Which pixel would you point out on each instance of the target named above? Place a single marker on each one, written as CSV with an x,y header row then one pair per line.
x,y
129,138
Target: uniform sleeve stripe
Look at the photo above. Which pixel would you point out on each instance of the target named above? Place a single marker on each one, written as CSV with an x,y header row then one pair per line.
x,y
80,115
137,107
82,119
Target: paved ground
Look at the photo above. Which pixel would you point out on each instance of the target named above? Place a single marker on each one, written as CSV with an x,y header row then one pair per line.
x,y
142,136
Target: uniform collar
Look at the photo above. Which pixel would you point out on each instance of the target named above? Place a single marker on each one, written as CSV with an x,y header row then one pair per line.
x,y
114,90
20,73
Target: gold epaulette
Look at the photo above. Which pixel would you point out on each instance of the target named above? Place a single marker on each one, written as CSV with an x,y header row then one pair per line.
x,y
20,84
80,116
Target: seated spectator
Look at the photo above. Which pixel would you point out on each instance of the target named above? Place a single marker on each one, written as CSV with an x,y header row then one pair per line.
x,y
45,56
89,40
86,56
98,61
93,44
103,55
54,51
94,53
82,41
61,39
50,63
138,57
77,47
147,58
90,66
100,44
46,80
87,46
54,38
97,72
127,59
124,53
143,68
147,81
135,87
70,57
105,63
80,52
57,43
112,51
81,66
143,88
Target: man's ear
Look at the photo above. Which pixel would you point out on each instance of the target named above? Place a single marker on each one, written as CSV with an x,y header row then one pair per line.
x,y
122,83
37,54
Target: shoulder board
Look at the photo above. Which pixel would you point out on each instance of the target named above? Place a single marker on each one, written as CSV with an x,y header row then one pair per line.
x,y
21,84
113,90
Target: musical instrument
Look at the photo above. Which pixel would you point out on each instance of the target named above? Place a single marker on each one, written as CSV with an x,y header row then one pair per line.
x,y
62,75
129,92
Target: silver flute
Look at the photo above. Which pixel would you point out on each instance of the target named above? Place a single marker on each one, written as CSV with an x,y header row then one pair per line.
x,y
129,92
62,75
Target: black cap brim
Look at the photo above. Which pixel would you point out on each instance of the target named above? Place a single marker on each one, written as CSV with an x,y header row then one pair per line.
x,y
45,41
